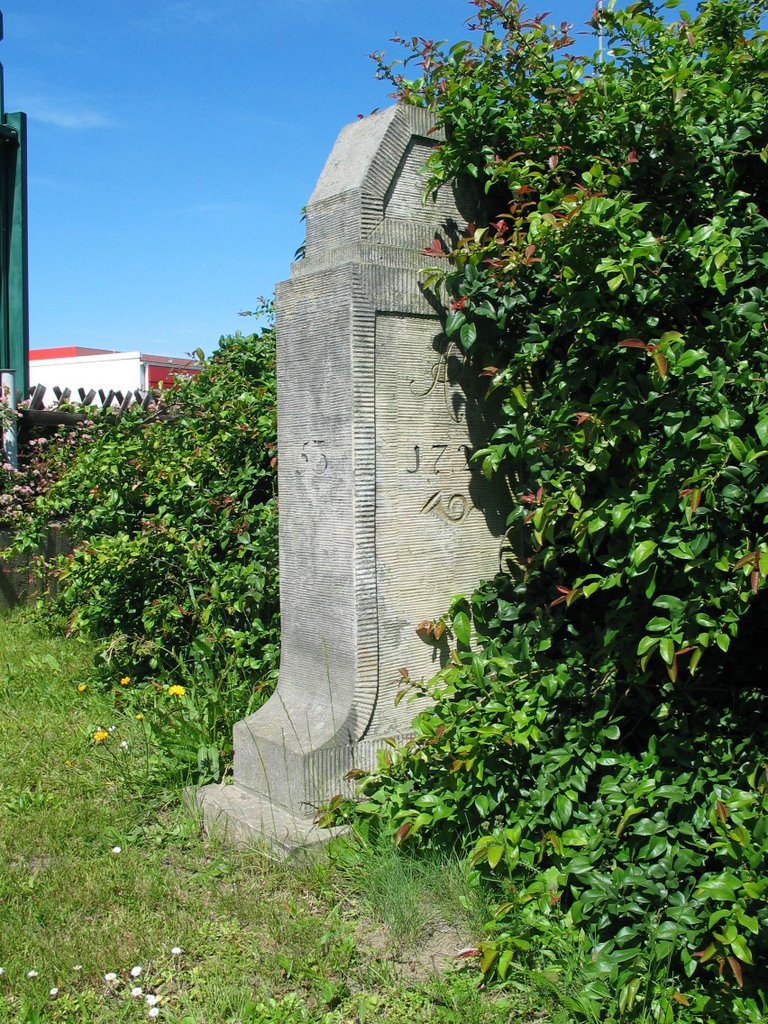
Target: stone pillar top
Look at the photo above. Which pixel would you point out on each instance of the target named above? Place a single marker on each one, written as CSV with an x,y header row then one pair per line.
x,y
369,192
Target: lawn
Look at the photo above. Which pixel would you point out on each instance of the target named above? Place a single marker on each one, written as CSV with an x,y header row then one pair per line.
x,y
114,907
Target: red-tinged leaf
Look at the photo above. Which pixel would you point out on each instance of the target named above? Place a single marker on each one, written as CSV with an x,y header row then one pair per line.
x,y
459,303
721,811
752,556
467,952
689,37
582,417
438,629
688,490
529,499
501,226
661,363
489,371
529,251
736,968
402,832
696,499
539,494
424,630
632,343
435,249
632,157
685,650
563,590
755,580
553,161
489,956
706,954
404,673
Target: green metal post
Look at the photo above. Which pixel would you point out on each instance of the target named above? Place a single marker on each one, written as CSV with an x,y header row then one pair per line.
x,y
14,295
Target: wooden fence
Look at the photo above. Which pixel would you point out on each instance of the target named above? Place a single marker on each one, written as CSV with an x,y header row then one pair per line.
x,y
69,409
21,579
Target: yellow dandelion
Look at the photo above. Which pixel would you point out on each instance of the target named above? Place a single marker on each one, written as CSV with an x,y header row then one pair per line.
x,y
100,735
176,691
82,688
125,681
139,717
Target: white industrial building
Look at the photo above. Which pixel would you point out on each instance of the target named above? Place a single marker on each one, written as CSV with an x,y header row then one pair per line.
x,y
75,367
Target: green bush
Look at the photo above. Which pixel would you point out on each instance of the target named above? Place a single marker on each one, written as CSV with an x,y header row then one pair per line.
x,y
600,744
176,572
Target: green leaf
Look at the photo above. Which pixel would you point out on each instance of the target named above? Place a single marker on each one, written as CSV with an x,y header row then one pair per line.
x,y
494,855
462,628
667,650
643,551
741,950
646,644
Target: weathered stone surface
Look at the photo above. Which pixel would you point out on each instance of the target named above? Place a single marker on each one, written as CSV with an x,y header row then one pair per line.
x,y
382,517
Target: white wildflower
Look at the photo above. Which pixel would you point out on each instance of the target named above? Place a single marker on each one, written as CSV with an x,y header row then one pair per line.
x,y
155,1011
151,999
135,972
110,977
53,993
137,991
117,849
32,974
176,950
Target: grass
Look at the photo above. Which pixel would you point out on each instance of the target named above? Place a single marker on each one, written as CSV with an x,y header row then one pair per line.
x,y
261,942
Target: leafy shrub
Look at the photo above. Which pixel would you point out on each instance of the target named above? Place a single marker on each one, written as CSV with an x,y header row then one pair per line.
x,y
176,571
43,455
601,744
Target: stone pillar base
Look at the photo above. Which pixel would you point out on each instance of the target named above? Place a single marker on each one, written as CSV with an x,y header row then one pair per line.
x,y
250,820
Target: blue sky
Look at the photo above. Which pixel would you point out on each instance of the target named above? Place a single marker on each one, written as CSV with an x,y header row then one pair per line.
x,y
172,144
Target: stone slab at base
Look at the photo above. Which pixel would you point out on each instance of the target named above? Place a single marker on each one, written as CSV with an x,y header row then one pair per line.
x,y
250,820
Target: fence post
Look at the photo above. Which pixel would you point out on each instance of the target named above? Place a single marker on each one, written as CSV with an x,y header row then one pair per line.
x,y
10,422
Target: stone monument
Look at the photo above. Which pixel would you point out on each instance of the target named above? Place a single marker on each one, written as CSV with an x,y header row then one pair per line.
x,y
383,518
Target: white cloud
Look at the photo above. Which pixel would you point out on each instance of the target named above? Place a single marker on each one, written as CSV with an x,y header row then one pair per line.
x,y
65,115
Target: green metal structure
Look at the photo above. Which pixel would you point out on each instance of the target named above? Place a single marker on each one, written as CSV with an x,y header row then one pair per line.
x,y
14,296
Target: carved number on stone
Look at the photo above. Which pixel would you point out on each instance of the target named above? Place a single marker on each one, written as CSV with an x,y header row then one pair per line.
x,y
443,449
463,449
455,508
312,458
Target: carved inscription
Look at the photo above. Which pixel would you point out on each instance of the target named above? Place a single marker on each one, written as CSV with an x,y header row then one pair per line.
x,y
437,451
442,379
446,459
312,458
432,531
454,508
